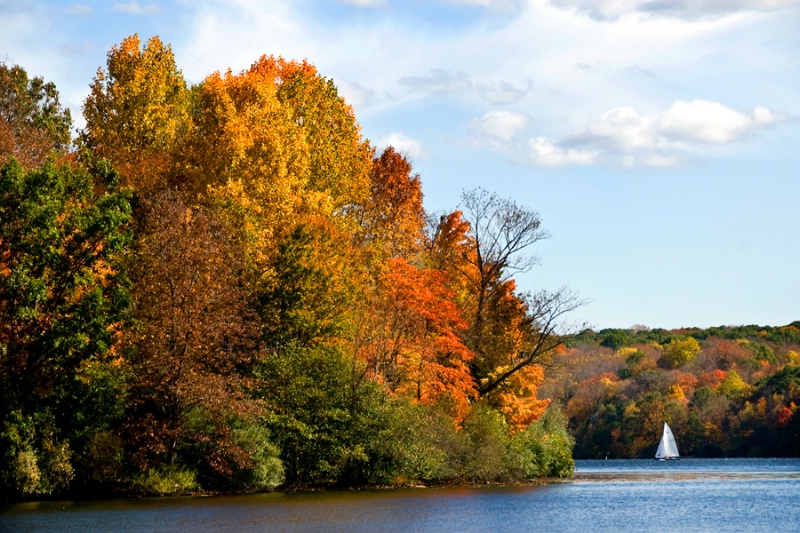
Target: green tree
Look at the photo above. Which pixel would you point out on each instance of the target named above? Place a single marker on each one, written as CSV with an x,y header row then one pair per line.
x,y
32,121
544,449
616,338
308,295
781,382
331,430
63,297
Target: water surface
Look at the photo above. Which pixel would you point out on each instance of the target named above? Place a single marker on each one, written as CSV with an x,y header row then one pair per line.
x,y
688,495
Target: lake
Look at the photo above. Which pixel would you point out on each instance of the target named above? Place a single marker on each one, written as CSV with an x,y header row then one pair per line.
x,y
622,495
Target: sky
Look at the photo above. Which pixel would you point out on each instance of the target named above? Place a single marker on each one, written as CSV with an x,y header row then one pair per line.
x,y
659,140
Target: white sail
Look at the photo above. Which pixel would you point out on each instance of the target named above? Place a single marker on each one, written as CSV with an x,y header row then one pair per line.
x,y
667,448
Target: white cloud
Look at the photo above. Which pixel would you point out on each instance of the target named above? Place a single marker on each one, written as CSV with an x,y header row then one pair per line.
x,y
440,81
134,8
544,152
710,122
508,6
402,143
612,9
501,94
364,3
354,94
659,139
656,160
622,128
78,9
502,125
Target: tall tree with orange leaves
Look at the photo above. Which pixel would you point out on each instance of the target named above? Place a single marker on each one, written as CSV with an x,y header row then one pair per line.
x,y
508,332
278,149
393,218
416,349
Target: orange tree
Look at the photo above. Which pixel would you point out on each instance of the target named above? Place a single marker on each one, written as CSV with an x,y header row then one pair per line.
x,y
416,350
508,332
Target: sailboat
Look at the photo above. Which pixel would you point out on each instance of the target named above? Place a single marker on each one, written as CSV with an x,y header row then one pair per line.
x,y
667,449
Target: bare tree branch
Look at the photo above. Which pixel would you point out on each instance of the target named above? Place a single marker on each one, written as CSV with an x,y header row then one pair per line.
x,y
545,312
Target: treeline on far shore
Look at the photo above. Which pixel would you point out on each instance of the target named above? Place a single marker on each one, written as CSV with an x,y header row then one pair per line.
x,y
725,391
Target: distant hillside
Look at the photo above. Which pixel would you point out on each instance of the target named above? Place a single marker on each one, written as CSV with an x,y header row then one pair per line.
x,y
725,391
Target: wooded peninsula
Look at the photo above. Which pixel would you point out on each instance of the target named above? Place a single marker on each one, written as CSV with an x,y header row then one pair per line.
x,y
224,287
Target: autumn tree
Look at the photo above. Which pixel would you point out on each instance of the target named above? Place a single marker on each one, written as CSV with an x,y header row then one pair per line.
x,y
248,150
501,230
137,112
279,150
279,141
507,332
447,243
732,385
447,246
393,218
339,157
518,398
416,349
309,294
679,352
63,298
194,344
32,121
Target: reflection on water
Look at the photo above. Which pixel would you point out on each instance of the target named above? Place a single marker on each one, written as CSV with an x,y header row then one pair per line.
x,y
687,495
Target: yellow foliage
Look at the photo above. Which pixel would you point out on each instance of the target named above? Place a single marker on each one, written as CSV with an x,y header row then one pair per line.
x,y
609,383
517,400
676,393
631,410
624,352
733,385
137,110
680,351
276,145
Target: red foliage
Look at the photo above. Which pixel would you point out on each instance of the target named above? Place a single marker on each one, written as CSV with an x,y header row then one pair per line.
x,y
712,378
417,351
784,416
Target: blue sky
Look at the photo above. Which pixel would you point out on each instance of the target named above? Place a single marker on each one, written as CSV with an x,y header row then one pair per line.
x,y
658,139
